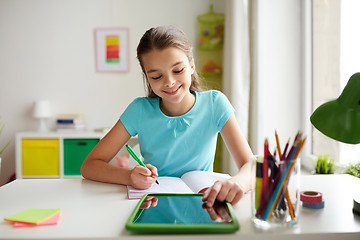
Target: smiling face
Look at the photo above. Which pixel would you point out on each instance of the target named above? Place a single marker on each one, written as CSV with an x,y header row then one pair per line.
x,y
168,71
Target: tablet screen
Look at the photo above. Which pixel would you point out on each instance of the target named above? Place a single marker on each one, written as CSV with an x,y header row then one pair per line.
x,y
183,210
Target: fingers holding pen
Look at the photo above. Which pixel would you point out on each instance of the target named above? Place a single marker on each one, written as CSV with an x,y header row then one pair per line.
x,y
150,172
153,169
143,177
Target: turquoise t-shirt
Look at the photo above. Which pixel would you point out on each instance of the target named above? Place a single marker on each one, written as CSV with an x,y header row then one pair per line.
x,y
176,145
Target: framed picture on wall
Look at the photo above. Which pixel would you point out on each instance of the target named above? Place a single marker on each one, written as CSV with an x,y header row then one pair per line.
x,y
112,49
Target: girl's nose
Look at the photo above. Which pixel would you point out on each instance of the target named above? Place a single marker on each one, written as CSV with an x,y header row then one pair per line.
x,y
169,81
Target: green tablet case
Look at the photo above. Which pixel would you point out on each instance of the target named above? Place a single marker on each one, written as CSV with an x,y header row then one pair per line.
x,y
173,227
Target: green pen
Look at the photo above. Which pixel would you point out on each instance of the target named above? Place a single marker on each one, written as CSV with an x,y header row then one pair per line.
x,y
133,154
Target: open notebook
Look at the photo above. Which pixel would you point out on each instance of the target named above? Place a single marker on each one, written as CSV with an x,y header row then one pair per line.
x,y
190,182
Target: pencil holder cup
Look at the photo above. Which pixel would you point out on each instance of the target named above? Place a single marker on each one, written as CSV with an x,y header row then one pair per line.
x,y
275,197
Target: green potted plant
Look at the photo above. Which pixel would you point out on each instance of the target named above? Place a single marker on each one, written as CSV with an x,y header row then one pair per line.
x,y
353,169
324,165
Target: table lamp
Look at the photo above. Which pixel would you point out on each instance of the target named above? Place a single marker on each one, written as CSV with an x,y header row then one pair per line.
x,y
42,111
339,119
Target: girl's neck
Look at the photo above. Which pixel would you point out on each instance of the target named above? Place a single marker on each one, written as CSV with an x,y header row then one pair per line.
x,y
178,109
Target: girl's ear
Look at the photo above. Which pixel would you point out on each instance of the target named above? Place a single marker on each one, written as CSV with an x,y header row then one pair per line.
x,y
192,66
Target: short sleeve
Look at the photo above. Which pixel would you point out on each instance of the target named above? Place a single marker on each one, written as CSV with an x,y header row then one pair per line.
x,y
222,109
130,117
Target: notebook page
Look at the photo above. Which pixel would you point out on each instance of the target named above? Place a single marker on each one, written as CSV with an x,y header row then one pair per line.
x,y
166,185
198,180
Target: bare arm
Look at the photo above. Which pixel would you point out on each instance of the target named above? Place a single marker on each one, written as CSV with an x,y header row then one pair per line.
x,y
233,189
240,151
96,166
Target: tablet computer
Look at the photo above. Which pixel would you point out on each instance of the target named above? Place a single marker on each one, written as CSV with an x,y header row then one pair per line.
x,y
181,213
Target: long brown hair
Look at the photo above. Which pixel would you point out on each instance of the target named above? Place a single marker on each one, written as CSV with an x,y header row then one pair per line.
x,y
160,38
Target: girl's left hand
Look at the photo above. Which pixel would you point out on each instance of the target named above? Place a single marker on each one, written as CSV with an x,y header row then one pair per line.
x,y
223,191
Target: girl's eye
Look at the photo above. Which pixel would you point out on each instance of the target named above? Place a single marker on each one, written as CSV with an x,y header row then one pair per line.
x,y
180,70
155,78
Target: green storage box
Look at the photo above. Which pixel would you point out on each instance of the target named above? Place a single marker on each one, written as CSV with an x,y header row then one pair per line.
x,y
75,152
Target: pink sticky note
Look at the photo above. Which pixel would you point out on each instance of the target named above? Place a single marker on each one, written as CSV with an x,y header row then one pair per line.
x,y
51,221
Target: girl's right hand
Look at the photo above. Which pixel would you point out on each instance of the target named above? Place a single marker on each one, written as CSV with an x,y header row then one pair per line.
x,y
143,178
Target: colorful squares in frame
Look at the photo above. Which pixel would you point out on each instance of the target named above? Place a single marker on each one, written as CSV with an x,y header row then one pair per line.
x,y
112,49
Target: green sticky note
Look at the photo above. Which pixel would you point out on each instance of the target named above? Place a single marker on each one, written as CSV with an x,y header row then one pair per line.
x,y
33,215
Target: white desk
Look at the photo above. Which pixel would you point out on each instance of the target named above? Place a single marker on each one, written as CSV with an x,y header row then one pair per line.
x,y
98,210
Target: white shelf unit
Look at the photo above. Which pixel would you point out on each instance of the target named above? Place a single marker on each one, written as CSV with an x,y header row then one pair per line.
x,y
49,136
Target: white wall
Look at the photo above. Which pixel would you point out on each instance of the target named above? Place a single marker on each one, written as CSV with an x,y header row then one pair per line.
x,y
47,52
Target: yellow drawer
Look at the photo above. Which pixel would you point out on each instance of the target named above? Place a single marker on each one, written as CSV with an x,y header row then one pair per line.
x,y
40,157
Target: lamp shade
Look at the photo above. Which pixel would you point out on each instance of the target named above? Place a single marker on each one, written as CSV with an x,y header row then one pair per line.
x,y
42,109
339,119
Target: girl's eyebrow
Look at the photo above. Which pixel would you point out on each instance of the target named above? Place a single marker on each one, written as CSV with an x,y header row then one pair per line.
x,y
155,70
177,63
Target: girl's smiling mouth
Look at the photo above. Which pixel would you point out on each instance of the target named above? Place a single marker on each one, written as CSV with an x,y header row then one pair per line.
x,y
172,92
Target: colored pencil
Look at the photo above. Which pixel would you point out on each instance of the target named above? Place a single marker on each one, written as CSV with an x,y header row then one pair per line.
x,y
278,144
284,178
285,150
265,168
279,186
275,185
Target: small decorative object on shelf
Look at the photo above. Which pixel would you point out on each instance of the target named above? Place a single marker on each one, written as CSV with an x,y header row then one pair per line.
x,y
42,111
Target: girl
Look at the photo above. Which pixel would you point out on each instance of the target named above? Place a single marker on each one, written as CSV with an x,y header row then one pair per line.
x,y
177,123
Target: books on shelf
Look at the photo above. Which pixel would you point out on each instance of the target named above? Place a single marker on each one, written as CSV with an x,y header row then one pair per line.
x,y
190,182
70,122
102,130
